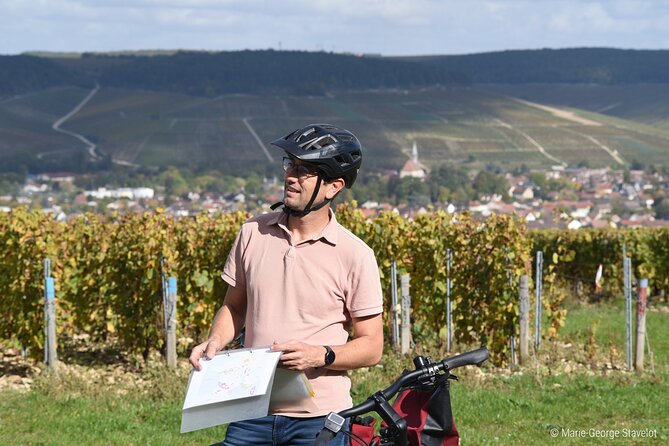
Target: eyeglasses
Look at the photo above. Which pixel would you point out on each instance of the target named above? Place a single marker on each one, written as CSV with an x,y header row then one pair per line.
x,y
299,170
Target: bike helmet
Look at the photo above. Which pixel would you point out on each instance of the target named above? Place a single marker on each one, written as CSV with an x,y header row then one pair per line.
x,y
336,152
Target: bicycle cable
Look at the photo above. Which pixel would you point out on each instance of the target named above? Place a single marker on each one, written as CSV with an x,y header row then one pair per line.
x,y
358,439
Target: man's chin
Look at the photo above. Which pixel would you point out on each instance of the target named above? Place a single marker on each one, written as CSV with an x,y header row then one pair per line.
x,y
292,204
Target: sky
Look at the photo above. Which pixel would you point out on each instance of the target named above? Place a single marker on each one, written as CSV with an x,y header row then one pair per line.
x,y
387,27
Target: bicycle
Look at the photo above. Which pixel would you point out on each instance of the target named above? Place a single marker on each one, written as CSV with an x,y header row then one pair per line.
x,y
428,376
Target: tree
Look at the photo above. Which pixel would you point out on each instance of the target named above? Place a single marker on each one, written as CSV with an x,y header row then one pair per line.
x,y
661,208
489,183
175,184
447,181
412,190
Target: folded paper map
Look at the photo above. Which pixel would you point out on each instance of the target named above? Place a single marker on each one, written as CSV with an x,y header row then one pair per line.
x,y
239,385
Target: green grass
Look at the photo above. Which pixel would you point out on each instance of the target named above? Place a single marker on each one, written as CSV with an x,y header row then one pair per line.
x,y
491,405
608,322
509,410
70,410
38,419
522,409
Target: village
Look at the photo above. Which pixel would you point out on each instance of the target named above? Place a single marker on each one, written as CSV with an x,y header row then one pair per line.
x,y
594,198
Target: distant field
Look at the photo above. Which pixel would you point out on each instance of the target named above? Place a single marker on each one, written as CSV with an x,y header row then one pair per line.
x,y
25,122
648,103
457,124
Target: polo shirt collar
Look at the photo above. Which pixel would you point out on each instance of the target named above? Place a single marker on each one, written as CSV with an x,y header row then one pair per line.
x,y
329,233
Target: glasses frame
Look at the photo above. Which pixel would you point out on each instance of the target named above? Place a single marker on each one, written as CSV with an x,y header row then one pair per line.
x,y
300,171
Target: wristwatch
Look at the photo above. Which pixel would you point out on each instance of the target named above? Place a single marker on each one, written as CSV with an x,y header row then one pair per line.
x,y
329,355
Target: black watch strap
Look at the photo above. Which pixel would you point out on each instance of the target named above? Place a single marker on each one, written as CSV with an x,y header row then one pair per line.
x,y
329,355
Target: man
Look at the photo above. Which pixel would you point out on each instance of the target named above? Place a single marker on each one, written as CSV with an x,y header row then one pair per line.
x,y
299,281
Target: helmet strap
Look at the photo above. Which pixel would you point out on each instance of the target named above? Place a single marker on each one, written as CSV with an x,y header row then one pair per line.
x,y
308,208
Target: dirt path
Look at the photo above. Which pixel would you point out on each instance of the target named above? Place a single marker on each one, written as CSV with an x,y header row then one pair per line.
x,y
559,113
532,141
269,156
614,153
90,146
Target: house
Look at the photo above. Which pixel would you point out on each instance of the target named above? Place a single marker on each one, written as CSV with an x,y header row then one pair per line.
x,y
646,200
602,224
413,168
57,177
581,209
123,192
523,193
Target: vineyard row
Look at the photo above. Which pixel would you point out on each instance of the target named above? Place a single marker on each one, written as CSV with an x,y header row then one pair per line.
x,y
108,270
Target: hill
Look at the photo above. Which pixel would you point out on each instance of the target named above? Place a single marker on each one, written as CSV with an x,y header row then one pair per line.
x,y
212,74
231,132
219,110
313,73
602,66
646,103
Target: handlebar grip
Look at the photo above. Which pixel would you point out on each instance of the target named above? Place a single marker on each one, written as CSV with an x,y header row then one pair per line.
x,y
475,357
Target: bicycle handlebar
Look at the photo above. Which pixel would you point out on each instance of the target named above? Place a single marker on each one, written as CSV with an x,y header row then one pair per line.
x,y
474,357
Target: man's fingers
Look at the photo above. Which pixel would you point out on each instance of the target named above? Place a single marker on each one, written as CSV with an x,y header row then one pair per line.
x,y
289,356
206,350
211,350
291,345
194,358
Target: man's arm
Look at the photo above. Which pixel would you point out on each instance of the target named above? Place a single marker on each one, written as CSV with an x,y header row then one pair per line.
x,y
365,349
227,324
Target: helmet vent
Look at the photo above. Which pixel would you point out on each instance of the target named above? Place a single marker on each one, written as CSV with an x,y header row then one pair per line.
x,y
318,143
340,160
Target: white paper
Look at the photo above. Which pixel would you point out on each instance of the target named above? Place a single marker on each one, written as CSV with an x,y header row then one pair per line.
x,y
240,385
290,386
232,375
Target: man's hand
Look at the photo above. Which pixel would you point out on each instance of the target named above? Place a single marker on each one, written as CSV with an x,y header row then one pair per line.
x,y
300,356
206,350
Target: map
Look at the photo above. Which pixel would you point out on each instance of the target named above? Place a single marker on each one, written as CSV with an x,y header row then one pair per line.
x,y
240,385
232,375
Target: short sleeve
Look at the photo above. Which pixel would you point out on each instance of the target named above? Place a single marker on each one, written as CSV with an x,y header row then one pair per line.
x,y
233,271
365,297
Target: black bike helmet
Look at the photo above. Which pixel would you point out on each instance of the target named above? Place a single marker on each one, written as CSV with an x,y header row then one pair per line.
x,y
336,152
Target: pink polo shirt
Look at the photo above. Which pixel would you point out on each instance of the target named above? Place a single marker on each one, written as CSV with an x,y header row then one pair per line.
x,y
306,292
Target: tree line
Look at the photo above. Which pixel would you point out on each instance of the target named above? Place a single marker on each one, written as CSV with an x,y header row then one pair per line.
x,y
313,73
211,74
604,66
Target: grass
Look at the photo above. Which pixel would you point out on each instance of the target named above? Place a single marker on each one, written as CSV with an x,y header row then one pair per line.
x,y
522,410
141,403
70,410
608,322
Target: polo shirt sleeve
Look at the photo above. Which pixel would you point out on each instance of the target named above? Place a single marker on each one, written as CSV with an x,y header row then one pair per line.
x,y
233,271
365,297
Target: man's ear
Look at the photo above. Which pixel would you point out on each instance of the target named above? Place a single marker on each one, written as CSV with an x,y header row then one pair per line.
x,y
335,186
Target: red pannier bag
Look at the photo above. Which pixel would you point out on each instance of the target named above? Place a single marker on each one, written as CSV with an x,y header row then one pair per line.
x,y
363,429
429,415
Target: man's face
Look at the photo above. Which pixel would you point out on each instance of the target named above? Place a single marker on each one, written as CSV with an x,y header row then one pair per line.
x,y
300,179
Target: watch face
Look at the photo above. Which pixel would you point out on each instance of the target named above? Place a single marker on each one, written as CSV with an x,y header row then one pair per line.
x,y
329,355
